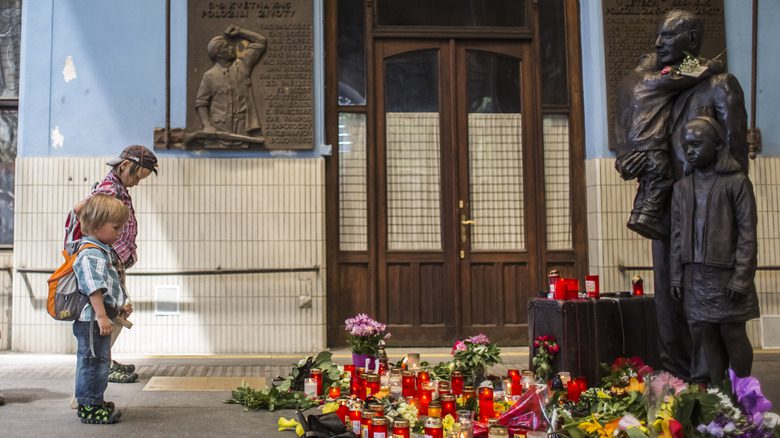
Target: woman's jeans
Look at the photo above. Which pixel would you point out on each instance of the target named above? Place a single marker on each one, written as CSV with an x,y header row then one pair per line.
x,y
91,369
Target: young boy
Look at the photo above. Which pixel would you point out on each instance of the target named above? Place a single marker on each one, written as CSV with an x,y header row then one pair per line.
x,y
132,166
714,253
102,219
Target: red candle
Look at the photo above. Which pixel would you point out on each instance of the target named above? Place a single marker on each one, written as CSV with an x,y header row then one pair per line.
x,y
638,285
350,369
316,374
575,388
561,290
517,387
573,288
343,411
456,382
448,406
425,400
354,386
334,392
592,286
378,427
433,428
365,423
422,377
407,384
400,429
486,404
372,384
355,415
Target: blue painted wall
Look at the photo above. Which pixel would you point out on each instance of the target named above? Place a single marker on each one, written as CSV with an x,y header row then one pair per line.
x,y
118,95
738,42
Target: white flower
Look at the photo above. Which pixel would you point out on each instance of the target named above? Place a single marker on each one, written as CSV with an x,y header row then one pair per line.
x,y
771,420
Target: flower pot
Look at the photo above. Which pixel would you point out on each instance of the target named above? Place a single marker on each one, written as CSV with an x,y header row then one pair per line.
x,y
359,360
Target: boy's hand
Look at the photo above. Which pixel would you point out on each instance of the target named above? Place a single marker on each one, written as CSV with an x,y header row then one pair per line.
x,y
677,293
126,310
732,294
104,324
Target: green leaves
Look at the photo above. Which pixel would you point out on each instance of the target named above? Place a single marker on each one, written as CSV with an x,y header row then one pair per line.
x,y
270,399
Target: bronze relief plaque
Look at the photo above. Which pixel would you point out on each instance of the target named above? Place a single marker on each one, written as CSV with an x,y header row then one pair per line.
x,y
250,75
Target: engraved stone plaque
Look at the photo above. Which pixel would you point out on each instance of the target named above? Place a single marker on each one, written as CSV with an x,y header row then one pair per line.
x,y
263,96
630,31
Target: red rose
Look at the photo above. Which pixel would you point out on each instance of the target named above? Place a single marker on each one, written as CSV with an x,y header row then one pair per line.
x,y
554,348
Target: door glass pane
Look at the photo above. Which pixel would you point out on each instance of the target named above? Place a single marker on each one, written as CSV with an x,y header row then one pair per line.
x,y
413,151
495,153
552,37
10,36
352,55
8,125
353,207
483,13
556,181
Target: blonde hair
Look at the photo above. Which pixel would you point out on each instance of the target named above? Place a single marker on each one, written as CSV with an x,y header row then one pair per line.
x,y
101,209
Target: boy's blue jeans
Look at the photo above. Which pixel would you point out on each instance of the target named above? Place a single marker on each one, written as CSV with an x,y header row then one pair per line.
x,y
91,371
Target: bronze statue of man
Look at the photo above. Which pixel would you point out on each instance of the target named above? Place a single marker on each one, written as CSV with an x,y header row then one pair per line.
x,y
649,134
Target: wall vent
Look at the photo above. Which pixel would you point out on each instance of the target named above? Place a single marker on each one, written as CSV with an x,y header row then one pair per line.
x,y
166,300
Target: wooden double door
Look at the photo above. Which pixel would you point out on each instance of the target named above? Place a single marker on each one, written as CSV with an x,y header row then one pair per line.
x,y
453,236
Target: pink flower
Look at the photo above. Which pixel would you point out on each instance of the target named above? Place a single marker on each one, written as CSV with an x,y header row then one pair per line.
x,y
666,70
459,346
554,348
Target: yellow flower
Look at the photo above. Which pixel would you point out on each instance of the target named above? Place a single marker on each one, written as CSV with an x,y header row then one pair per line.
x,y
611,427
593,427
327,408
285,424
448,422
601,394
635,385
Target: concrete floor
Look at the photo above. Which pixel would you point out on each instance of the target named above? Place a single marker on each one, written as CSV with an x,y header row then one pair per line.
x,y
38,390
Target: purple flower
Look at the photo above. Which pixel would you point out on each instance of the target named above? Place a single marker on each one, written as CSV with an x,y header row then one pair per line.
x,y
749,395
363,325
479,339
713,429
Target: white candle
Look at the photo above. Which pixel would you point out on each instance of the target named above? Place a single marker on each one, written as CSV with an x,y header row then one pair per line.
x,y
310,387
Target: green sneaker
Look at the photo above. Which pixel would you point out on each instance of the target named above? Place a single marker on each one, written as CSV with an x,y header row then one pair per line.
x,y
127,369
120,377
102,414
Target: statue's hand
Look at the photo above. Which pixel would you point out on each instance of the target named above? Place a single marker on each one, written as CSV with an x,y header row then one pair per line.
x,y
631,165
677,293
732,294
232,31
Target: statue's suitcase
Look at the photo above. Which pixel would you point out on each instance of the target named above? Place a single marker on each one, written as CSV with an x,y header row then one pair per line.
x,y
592,332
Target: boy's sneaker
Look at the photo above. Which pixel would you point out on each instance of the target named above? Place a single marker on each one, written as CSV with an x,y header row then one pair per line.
x,y
120,377
99,414
126,369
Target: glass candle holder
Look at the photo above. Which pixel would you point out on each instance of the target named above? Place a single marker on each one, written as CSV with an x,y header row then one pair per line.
x,y
372,384
433,428
426,396
378,427
469,392
401,429
350,368
435,409
565,378
514,377
443,388
316,374
422,377
355,415
456,383
310,386
408,384
334,392
413,361
465,427
448,406
486,411
365,423
343,412
394,382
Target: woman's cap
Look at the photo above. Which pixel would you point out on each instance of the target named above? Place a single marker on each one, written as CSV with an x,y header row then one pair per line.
x,y
138,154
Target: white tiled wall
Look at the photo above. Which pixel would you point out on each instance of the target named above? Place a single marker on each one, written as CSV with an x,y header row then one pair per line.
x,y
612,245
5,298
197,215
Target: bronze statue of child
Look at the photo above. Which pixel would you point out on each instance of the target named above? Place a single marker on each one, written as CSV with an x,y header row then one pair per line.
x,y
714,253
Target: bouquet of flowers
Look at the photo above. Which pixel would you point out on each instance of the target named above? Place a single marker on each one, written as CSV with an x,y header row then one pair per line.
x,y
364,334
545,349
473,355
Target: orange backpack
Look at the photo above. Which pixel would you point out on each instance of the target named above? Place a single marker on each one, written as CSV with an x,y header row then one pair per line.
x,y
65,303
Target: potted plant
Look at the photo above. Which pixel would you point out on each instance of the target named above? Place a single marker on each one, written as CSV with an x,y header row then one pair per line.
x,y
472,357
363,336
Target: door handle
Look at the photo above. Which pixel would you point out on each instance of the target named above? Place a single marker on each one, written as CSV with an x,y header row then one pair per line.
x,y
463,230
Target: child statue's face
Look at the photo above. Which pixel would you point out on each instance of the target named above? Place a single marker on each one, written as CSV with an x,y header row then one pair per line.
x,y
701,142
